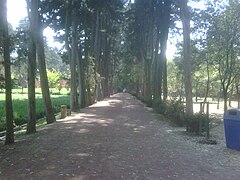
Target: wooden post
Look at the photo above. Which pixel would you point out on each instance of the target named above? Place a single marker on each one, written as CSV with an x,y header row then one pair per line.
x,y
207,133
200,121
201,108
63,111
200,127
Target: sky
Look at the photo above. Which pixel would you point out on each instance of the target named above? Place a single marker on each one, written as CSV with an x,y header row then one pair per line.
x,y
17,11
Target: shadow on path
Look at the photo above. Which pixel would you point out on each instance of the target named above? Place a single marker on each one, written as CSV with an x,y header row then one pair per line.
x,y
117,138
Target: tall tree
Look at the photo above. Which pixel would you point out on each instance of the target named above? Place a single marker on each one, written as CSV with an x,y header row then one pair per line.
x,y
144,37
165,24
38,38
237,84
7,65
74,59
185,18
31,126
223,43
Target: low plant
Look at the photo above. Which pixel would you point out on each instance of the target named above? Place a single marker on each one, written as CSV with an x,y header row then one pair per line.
x,y
196,123
21,111
173,110
2,123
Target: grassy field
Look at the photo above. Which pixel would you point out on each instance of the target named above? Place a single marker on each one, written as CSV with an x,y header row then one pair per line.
x,y
20,105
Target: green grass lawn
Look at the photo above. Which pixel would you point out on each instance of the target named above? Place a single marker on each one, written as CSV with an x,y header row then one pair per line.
x,y
20,106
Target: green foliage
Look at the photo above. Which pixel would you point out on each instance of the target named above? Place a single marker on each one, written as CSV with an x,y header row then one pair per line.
x,y
2,79
175,79
20,109
223,40
160,107
2,123
174,110
148,102
53,78
196,123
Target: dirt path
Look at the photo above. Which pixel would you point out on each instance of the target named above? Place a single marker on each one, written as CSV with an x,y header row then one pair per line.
x,y
117,138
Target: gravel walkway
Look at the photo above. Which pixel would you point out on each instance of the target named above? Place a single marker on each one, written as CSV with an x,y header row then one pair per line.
x,y
117,138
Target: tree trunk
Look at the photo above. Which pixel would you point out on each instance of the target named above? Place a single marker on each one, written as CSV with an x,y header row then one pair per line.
x,y
73,86
74,97
163,43
238,99
97,42
208,83
147,70
185,17
157,65
31,126
225,97
50,117
83,84
157,76
238,91
218,99
80,82
230,96
157,79
7,65
181,90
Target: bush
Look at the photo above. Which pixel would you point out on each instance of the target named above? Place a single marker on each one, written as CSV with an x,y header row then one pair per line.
x,y
173,110
160,107
2,124
196,123
148,102
20,120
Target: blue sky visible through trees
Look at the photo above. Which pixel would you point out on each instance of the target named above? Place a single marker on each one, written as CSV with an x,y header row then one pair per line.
x,y
17,11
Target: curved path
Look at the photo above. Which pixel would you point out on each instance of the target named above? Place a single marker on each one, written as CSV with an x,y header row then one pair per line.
x,y
117,138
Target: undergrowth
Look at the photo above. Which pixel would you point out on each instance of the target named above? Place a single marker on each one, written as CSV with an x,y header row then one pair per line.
x,y
20,108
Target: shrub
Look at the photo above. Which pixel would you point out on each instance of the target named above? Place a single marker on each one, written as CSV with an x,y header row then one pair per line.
x,y
20,120
173,110
148,102
196,123
2,124
160,107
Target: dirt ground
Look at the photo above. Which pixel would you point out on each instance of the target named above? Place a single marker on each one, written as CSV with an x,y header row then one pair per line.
x,y
118,138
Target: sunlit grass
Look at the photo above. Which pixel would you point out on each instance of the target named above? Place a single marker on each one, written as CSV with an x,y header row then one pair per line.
x,y
22,93
20,106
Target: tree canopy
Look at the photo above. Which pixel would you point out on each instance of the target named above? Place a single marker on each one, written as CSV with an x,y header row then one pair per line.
x,y
113,45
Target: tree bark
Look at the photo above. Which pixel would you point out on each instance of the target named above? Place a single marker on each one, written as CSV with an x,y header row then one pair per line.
x,y
73,63
238,90
50,117
185,17
230,96
157,73
7,65
82,87
225,97
238,98
31,126
163,43
97,42
208,84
